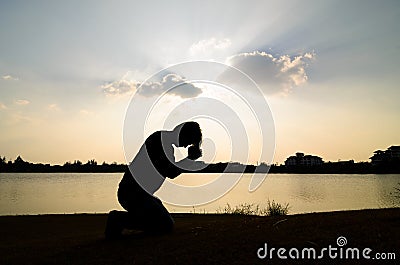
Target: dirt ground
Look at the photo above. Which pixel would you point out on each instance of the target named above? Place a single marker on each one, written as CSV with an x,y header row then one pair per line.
x,y
200,239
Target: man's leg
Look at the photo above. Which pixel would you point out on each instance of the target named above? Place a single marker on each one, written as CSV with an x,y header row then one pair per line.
x,y
146,212
157,219
114,224
117,221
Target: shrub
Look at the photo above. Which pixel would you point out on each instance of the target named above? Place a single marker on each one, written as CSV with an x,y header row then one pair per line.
x,y
272,209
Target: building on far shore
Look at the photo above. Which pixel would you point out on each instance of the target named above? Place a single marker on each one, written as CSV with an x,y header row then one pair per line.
x,y
303,160
391,154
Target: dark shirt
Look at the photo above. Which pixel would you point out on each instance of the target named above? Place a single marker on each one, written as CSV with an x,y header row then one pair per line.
x,y
156,161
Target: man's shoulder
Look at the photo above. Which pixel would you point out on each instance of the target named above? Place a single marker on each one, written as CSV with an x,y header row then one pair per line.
x,y
156,136
156,139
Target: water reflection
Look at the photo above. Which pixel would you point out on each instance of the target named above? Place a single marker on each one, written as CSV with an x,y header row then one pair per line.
x,y
387,191
26,193
302,190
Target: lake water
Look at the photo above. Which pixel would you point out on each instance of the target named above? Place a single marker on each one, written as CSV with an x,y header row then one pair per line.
x,y
42,193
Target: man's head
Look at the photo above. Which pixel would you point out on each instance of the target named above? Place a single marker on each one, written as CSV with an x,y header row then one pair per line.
x,y
189,133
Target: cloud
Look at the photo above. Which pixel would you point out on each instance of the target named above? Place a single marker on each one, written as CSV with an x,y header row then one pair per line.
x,y
120,87
18,117
86,112
22,102
272,73
210,49
175,84
2,106
53,107
9,77
209,44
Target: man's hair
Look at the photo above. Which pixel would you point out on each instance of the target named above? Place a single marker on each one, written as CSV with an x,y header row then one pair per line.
x,y
189,133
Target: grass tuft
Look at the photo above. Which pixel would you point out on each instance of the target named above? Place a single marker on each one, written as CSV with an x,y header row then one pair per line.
x,y
272,209
275,209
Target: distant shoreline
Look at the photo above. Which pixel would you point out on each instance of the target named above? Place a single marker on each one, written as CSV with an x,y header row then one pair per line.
x,y
215,168
21,166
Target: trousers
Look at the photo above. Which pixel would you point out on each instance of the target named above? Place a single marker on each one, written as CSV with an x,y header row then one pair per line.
x,y
143,212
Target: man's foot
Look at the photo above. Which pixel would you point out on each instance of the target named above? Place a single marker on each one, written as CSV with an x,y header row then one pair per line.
x,y
114,227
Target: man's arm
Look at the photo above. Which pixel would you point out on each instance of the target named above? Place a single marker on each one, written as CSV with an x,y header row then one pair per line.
x,y
189,164
194,152
185,165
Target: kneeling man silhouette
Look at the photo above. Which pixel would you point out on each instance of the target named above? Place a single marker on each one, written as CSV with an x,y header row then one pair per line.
x,y
153,163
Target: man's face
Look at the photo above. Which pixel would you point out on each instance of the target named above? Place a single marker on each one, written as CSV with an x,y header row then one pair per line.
x,y
185,144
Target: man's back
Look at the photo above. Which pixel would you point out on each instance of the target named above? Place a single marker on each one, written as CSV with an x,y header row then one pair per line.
x,y
153,163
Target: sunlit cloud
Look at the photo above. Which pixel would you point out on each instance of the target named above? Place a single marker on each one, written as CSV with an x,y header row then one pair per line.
x,y
2,106
53,107
211,48
22,102
180,87
274,74
86,112
16,118
209,44
9,78
120,87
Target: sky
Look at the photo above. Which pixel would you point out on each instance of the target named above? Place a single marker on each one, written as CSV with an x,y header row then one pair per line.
x,y
328,70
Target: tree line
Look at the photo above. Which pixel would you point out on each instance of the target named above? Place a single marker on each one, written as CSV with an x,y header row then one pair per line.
x,y
91,166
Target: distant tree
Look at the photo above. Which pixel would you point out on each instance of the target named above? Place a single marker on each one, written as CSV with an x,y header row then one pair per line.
x,y
3,163
20,165
91,163
19,161
77,163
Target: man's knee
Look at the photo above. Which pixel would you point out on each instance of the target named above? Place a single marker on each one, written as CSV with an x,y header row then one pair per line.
x,y
169,224
163,225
